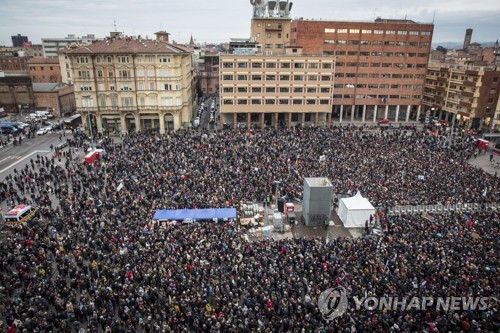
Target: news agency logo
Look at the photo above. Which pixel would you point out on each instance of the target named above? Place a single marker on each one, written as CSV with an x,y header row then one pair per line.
x,y
333,303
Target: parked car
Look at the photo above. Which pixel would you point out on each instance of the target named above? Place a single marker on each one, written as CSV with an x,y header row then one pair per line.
x,y
383,121
43,130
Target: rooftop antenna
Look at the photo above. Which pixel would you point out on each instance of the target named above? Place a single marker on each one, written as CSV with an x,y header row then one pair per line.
x,y
114,23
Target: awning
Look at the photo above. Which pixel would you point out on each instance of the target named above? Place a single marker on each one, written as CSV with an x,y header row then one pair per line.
x,y
196,214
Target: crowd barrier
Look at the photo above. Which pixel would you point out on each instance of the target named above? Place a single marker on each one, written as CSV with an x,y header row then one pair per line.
x,y
437,209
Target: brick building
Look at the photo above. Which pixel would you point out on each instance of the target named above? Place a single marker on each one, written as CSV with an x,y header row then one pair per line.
x,y
58,97
208,79
44,70
380,66
13,64
16,90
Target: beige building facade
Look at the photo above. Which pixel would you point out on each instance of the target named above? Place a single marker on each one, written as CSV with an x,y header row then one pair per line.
x,y
284,90
469,94
130,84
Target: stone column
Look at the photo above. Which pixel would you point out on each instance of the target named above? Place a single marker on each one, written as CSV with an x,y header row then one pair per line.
x,y
161,118
303,119
329,119
276,121
316,119
375,113
418,112
262,117
289,120
249,120
235,120
341,113
408,110
386,114
98,120
397,113
364,114
123,124
353,111
137,122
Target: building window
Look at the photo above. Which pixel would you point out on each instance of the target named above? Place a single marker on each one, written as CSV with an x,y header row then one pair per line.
x,y
298,77
425,33
354,31
256,65
329,30
312,78
378,32
270,77
325,90
402,32
366,31
227,77
271,65
311,90
256,101
299,65
269,46
123,59
283,102
256,89
270,101
242,65
284,65
341,42
327,66
270,89
311,102
284,77
167,86
326,77
329,41
242,89
139,59
228,102
324,101
342,31
279,46
242,102
99,73
284,90
298,89
164,59
242,77
112,87
297,102
151,86
413,33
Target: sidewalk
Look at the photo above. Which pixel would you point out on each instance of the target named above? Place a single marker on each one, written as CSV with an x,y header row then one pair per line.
x,y
483,162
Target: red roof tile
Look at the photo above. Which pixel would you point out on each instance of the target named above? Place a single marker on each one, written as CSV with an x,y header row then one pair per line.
x,y
127,46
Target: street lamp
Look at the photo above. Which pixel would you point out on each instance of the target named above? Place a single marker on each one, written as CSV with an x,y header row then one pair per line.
x,y
87,98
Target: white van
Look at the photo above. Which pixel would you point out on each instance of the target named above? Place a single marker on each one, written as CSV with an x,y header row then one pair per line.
x,y
19,215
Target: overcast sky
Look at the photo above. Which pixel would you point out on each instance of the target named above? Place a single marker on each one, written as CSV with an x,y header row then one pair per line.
x,y
219,20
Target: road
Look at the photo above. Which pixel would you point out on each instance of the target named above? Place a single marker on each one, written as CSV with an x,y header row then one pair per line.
x,y
17,157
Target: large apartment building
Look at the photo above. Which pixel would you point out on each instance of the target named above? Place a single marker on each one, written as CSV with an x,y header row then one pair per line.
x,y
51,46
380,66
124,84
379,69
467,93
275,89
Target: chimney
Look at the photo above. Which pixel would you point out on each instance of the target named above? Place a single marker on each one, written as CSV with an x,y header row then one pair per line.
x,y
162,36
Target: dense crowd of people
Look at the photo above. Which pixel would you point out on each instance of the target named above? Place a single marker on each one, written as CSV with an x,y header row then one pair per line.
x,y
94,261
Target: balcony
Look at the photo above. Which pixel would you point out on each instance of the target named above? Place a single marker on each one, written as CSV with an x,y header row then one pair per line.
x,y
87,108
128,108
169,108
147,107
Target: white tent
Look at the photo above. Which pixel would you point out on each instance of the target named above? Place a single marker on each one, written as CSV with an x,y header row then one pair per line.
x,y
354,211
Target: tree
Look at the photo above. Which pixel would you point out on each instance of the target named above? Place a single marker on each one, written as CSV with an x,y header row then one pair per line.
x,y
442,49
